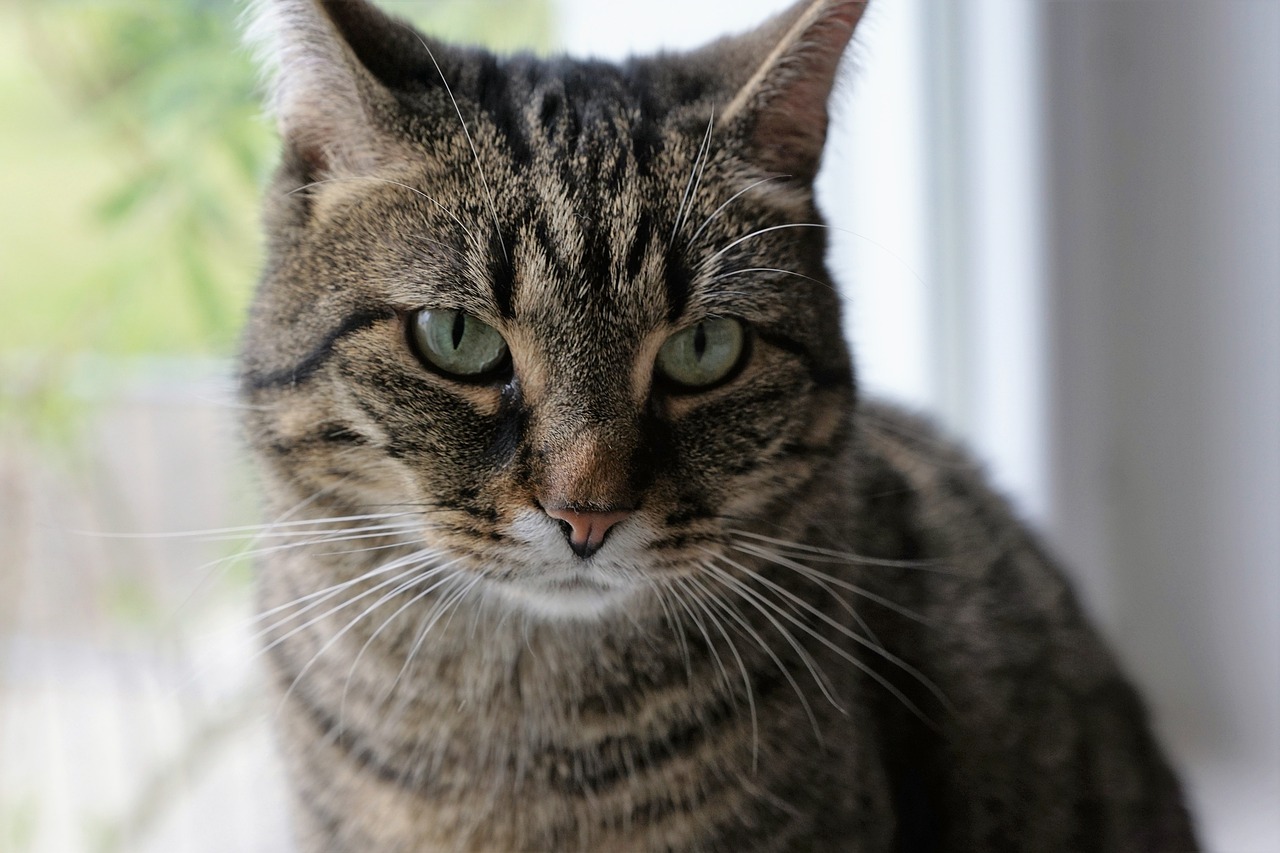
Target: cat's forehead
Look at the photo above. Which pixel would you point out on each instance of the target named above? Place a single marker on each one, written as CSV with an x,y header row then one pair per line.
x,y
564,194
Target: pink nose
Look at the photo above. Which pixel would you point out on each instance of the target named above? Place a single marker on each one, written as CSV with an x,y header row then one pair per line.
x,y
587,529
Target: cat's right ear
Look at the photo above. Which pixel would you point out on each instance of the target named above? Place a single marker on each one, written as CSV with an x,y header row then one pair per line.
x,y
329,90
783,74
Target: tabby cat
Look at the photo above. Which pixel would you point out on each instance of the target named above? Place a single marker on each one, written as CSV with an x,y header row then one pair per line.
x,y
597,546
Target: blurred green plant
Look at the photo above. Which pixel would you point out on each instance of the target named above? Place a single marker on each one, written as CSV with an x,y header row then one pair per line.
x,y
166,99
134,153
162,101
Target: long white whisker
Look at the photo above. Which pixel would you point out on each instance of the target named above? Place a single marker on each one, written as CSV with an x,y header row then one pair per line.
x,y
402,608
745,625
730,273
328,644
819,676
493,210
702,628
216,534
695,178
677,626
758,232
824,579
306,543
703,605
842,556
343,606
844,653
446,605
412,189
716,213
328,592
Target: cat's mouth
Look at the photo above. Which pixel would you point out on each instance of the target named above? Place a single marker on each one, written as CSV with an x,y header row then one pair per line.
x,y
578,593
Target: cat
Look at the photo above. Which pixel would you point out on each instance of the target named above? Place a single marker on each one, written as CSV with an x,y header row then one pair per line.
x,y
598,546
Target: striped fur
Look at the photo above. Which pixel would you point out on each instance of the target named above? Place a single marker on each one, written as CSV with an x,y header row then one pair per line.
x,y
816,628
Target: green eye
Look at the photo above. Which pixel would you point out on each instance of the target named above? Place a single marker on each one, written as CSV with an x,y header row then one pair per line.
x,y
702,355
456,343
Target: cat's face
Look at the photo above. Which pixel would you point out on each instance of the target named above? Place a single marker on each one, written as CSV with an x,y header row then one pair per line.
x,y
575,315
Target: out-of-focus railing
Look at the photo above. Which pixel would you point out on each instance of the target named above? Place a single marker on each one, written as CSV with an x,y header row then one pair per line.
x,y
130,715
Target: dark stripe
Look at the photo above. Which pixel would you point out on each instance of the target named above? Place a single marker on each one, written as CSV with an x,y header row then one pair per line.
x,y
639,245
325,434
612,760
496,99
677,282
315,359
597,254
615,182
329,826
547,241
549,113
822,376
513,421
340,735
646,132
501,275
340,434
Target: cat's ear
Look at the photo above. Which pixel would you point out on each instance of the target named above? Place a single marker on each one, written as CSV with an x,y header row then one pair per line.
x,y
784,72
331,66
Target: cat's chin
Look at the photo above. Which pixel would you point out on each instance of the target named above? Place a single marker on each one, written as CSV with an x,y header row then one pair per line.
x,y
575,597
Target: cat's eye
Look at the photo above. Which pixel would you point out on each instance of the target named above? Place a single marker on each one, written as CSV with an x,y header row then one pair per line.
x,y
456,343
703,355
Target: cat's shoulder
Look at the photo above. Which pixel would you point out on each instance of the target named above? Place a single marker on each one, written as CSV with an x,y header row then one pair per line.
x,y
916,448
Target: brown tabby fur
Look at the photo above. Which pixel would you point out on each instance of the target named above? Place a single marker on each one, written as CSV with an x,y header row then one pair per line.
x,y
817,630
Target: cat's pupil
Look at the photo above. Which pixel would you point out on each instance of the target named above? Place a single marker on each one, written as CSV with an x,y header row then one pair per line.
x,y
459,328
700,341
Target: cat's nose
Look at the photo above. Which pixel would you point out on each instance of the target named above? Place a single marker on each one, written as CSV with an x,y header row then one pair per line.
x,y
586,530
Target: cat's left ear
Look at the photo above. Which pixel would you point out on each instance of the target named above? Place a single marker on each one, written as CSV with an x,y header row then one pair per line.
x,y
786,70
334,66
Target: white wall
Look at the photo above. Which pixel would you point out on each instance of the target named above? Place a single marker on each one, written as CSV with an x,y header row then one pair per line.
x,y
1164,373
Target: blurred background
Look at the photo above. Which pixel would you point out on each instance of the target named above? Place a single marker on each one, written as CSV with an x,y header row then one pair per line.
x,y
1058,228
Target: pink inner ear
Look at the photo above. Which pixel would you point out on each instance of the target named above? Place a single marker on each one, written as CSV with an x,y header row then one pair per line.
x,y
791,104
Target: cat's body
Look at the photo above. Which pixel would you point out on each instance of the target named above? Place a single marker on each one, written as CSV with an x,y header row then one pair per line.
x,y
624,563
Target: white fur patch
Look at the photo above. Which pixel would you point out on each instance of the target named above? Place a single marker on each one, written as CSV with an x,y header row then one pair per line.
x,y
560,585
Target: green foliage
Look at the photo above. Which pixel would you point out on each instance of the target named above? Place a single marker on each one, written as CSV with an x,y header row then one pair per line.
x,y
18,820
139,155
156,210
134,153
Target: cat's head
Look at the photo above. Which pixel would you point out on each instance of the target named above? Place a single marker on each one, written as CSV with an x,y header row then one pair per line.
x,y
574,313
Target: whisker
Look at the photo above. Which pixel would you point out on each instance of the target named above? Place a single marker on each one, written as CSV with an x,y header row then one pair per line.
x,y
444,606
844,653
757,233
818,578
719,210
328,644
724,275
910,270
273,549
824,579
412,189
819,676
359,655
695,178
209,570
702,628
744,624
844,556
329,591
344,605
677,626
702,605
497,224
